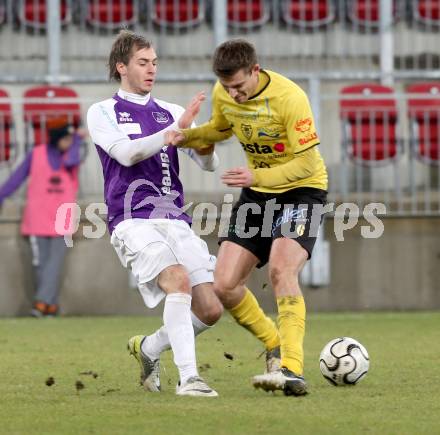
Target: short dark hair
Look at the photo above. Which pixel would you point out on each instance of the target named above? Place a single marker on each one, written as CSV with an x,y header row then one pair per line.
x,y
122,50
232,56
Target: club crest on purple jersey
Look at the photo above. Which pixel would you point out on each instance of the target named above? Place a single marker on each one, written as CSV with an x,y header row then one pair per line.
x,y
160,117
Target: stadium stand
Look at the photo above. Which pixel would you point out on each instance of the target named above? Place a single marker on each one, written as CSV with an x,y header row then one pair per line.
x,y
426,11
176,14
308,13
310,41
247,14
362,142
109,14
424,116
32,13
6,127
369,124
366,13
41,103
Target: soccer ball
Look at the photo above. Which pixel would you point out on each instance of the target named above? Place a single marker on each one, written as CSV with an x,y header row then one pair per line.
x,y
344,361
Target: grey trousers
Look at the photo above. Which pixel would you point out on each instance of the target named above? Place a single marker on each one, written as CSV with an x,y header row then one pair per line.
x,y
48,255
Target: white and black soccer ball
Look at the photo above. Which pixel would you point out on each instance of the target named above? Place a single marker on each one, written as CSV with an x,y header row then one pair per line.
x,y
344,361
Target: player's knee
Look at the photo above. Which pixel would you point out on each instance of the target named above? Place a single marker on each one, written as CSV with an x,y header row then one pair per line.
x,y
175,278
183,283
224,283
213,313
223,289
279,274
228,297
274,274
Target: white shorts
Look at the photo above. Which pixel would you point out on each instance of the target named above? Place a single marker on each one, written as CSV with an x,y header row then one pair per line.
x,y
150,246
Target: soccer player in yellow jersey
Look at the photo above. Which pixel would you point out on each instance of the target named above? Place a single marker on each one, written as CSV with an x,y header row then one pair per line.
x,y
285,181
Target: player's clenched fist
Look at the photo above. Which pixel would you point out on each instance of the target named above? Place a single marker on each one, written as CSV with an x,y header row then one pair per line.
x,y
174,138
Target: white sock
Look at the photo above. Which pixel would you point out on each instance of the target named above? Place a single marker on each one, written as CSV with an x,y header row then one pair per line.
x,y
177,321
158,342
198,325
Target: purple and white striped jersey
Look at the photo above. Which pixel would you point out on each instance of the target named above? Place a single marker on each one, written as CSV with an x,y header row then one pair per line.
x,y
141,175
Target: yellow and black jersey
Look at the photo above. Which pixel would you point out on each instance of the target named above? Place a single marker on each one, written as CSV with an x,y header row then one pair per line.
x,y
276,130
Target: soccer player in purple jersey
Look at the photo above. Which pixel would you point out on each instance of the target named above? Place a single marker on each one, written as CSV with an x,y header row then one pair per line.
x,y
149,229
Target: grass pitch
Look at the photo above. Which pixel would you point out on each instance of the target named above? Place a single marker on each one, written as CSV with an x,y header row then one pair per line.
x,y
95,383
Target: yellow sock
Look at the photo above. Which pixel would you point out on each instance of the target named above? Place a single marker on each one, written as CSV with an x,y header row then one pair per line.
x,y
291,324
249,315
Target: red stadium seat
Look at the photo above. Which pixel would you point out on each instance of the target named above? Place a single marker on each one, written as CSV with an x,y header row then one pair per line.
x,y
6,127
33,13
247,13
369,121
424,117
110,14
176,14
366,13
308,13
43,103
426,11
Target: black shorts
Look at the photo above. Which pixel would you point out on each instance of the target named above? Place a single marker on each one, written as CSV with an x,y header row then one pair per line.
x,y
259,218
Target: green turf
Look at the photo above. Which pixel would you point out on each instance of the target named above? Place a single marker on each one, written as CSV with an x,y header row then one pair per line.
x,y
400,395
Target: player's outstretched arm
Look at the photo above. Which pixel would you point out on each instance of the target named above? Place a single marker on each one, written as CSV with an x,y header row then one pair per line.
x,y
217,129
106,133
17,178
197,138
